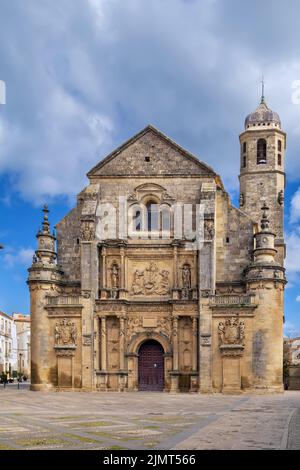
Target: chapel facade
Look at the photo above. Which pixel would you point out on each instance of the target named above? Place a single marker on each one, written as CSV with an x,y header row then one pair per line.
x,y
156,282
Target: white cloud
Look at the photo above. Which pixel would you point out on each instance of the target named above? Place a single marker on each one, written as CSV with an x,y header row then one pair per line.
x,y
84,76
295,207
21,257
292,261
298,298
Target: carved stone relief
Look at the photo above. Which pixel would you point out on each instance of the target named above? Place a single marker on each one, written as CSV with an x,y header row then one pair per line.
x,y
87,230
230,290
205,340
209,230
135,325
150,281
232,331
87,340
65,333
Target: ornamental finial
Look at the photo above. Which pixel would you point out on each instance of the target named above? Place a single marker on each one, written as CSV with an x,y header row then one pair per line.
x,y
46,225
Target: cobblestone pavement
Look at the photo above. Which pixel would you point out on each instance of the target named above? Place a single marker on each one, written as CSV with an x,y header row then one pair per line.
x,y
141,420
293,442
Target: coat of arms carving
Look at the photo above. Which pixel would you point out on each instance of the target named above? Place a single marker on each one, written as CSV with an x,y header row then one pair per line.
x,y
232,331
65,333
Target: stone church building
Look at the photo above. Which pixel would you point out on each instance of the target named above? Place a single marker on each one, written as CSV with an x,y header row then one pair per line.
x,y
155,281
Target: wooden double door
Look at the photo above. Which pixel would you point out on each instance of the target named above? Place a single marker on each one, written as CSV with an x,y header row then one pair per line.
x,y
151,366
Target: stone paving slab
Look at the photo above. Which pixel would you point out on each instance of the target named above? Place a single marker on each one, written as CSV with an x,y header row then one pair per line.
x,y
142,420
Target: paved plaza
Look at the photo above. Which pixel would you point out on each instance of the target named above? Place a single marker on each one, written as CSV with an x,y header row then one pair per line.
x,y
142,420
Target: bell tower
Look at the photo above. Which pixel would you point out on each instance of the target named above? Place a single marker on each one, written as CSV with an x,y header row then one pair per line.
x,y
262,176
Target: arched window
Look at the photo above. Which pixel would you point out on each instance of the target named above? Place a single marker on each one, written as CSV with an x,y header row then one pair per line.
x,y
152,216
279,146
279,159
261,151
244,147
165,220
137,220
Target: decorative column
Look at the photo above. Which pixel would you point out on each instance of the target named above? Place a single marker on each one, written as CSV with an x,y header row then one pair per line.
x,y
122,342
103,346
206,283
175,270
175,266
122,291
204,344
194,375
194,343
103,273
123,374
174,374
122,254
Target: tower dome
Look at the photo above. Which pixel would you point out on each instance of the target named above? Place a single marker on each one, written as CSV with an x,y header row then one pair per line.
x,y
263,116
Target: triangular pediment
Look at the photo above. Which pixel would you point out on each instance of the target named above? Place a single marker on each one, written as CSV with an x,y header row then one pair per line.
x,y
150,153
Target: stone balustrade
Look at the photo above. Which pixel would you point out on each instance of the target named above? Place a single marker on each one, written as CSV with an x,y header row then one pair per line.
x,y
63,300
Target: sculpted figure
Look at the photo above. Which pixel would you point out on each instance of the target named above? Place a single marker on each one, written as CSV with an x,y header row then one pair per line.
x,y
138,282
221,332
151,280
209,230
73,333
164,282
115,276
186,276
57,333
232,331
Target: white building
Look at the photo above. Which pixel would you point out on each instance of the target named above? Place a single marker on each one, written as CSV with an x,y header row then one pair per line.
x,y
22,324
8,345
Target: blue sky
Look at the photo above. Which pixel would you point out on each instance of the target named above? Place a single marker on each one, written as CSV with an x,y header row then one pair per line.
x,y
84,75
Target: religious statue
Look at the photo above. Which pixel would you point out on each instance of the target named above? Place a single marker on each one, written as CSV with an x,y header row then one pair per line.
x,y
115,276
151,278
221,332
186,276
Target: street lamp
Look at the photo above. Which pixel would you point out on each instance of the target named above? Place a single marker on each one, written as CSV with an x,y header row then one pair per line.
x,y
20,355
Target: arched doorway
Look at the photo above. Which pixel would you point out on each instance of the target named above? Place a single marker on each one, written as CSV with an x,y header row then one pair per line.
x,y
151,366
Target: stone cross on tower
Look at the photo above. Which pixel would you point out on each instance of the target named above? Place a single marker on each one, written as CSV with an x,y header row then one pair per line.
x,y
262,89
